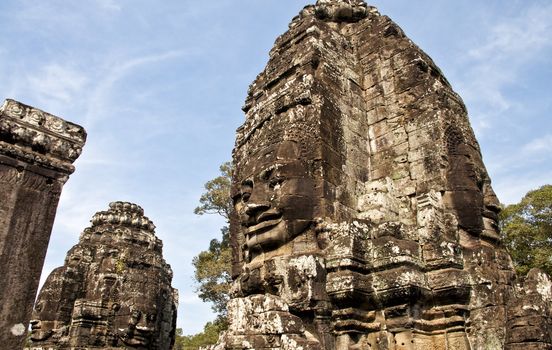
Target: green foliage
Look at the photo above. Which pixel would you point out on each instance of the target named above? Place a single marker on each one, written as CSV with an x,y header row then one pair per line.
x,y
178,340
212,273
216,199
212,266
527,231
209,336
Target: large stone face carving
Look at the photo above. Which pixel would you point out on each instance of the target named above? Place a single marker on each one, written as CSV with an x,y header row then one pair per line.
x,y
114,290
275,200
37,150
364,217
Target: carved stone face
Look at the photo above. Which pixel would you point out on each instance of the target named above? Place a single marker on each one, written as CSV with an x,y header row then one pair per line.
x,y
137,317
113,291
140,329
47,317
465,182
42,330
275,202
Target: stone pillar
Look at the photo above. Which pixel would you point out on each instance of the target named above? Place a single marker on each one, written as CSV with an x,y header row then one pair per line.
x,y
37,150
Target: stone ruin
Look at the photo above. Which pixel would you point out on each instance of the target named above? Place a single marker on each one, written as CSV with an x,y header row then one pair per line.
x,y
37,150
364,216
113,292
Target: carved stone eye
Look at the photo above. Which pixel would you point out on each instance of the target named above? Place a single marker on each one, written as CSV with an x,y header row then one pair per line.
x,y
246,188
275,181
265,174
39,306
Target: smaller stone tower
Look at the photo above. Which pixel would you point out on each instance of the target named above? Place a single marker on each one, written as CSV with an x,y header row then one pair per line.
x,y
37,150
114,290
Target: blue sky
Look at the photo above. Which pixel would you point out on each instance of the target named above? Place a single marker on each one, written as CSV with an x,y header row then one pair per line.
x,y
158,85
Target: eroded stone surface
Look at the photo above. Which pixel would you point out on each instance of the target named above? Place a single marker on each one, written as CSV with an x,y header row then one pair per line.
x,y
529,323
114,290
38,137
37,150
362,205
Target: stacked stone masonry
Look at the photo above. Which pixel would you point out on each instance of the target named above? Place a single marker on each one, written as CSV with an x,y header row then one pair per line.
x,y
364,216
113,292
37,150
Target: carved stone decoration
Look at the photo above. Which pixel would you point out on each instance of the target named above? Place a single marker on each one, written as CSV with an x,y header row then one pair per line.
x,y
37,150
364,216
530,313
113,292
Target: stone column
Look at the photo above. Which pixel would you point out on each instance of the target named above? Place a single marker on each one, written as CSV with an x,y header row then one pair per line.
x,y
37,150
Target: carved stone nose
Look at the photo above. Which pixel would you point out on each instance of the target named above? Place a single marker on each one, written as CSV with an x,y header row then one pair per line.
x,y
253,208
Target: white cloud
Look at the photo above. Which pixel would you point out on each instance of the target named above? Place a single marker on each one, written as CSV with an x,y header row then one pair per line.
x,y
188,297
532,155
113,71
110,5
481,125
75,212
513,187
498,61
521,36
525,169
55,16
54,81
539,145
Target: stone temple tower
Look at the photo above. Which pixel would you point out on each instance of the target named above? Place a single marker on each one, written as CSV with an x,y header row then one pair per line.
x,y
364,216
37,150
113,292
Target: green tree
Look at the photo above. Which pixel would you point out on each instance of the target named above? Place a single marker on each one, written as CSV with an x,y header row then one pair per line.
x,y
212,273
527,231
209,336
216,199
178,340
212,266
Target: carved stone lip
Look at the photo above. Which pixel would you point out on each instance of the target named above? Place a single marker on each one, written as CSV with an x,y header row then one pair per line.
x,y
267,215
263,226
37,334
144,329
